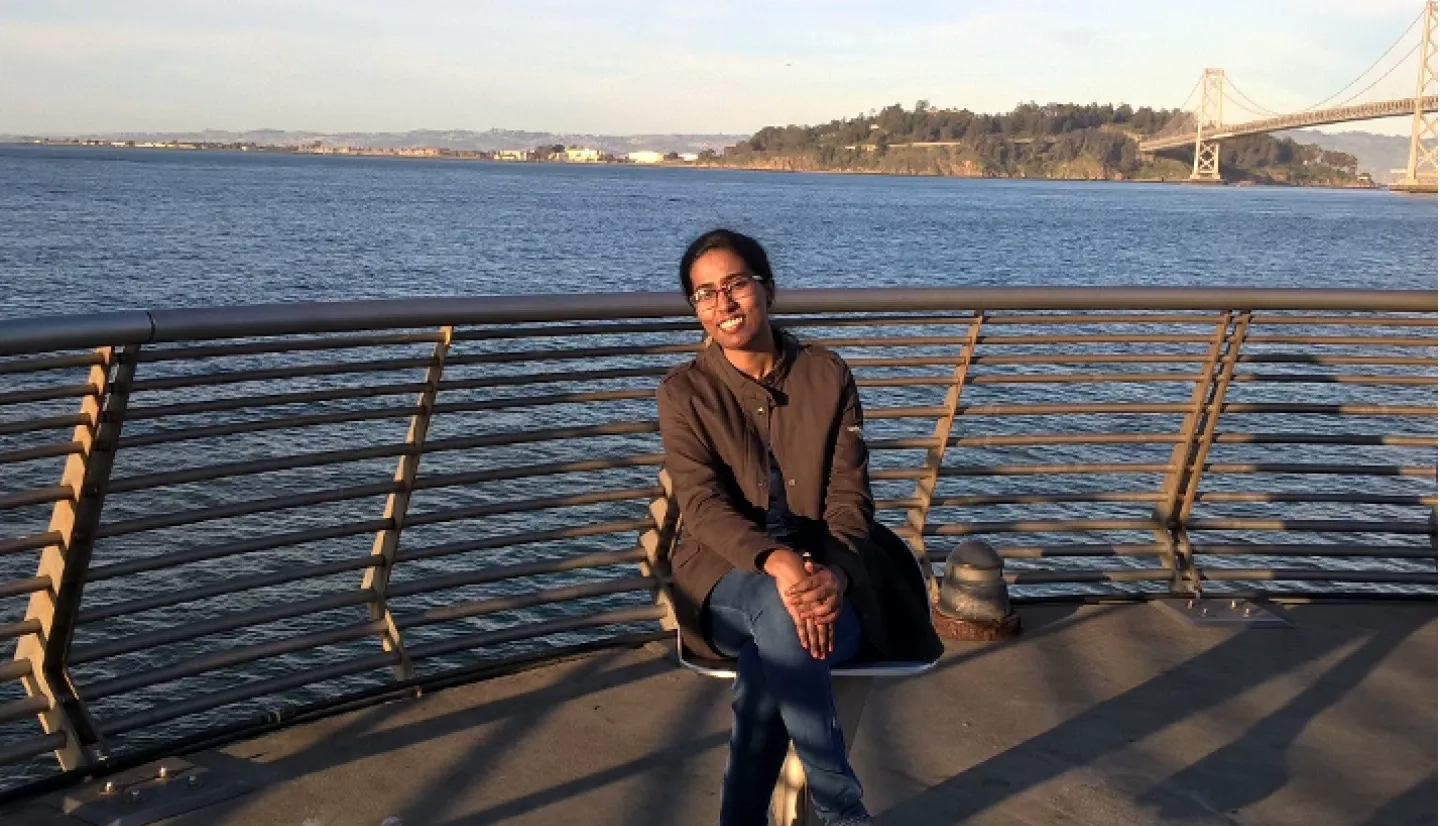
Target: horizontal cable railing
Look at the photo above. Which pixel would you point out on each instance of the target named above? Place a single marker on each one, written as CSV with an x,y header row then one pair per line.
x,y
210,513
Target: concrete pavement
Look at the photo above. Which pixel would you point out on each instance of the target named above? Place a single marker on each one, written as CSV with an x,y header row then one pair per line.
x,y
1108,715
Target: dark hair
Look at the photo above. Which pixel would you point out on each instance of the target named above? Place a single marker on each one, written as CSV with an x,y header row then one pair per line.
x,y
739,243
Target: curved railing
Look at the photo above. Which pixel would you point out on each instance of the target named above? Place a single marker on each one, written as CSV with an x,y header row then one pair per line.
x,y
216,518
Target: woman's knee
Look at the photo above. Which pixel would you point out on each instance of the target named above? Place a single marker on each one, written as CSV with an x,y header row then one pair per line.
x,y
773,627
764,602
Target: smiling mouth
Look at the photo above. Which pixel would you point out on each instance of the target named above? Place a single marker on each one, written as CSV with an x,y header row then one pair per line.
x,y
730,325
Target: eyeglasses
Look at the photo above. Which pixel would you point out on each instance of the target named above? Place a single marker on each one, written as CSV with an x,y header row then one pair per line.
x,y
741,286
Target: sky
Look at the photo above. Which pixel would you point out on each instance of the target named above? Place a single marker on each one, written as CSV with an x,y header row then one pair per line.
x,y
624,67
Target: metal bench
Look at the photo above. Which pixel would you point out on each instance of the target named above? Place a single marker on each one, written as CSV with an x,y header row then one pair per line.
x,y
790,804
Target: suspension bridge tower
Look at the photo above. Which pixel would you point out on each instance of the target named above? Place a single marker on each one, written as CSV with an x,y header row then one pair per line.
x,y
1420,172
1210,115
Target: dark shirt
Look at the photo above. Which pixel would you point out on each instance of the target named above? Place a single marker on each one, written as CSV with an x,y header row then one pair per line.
x,y
779,521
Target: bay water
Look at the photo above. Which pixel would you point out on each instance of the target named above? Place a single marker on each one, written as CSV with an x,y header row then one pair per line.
x,y
87,229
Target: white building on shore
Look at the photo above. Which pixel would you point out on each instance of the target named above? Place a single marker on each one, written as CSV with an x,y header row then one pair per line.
x,y
646,156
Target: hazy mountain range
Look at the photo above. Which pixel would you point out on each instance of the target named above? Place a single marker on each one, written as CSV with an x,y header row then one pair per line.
x,y
487,141
1376,154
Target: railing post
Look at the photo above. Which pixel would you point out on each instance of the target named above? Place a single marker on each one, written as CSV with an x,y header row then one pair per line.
x,y
914,528
1190,455
1183,578
658,543
387,540
1196,467
66,563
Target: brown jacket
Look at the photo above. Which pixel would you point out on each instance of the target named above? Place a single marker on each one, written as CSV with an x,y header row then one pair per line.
x,y
716,423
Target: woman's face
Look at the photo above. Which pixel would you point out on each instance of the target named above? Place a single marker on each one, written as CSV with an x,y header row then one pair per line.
x,y
737,318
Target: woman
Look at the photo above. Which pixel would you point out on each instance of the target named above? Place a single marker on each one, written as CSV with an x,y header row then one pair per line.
x,y
781,566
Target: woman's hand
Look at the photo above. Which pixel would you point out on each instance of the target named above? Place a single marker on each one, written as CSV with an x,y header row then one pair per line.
x,y
790,572
817,599
820,595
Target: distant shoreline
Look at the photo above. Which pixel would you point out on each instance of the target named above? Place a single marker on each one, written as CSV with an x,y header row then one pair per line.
x,y
437,153
1170,181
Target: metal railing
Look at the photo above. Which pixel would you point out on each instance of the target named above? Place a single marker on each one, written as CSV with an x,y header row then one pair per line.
x,y
188,494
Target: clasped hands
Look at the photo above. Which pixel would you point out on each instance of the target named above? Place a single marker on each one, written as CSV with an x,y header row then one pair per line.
x,y
812,593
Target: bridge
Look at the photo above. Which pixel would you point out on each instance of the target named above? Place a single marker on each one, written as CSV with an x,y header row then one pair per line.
x,y
1298,120
1206,126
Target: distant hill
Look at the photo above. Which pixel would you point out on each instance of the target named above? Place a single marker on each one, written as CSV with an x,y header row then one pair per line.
x,y
1376,154
1088,141
487,141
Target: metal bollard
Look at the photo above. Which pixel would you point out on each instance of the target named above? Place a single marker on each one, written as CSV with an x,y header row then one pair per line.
x,y
974,603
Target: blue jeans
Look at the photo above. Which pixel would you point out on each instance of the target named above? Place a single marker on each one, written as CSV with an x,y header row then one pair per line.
x,y
781,694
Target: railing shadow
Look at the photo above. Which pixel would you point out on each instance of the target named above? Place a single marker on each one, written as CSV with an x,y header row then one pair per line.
x,y
677,755
661,782
664,770
1261,749
1215,785
367,737
481,761
660,804
883,753
1414,807
435,802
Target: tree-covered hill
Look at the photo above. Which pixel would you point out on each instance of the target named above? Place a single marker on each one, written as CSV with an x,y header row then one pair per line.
x,y
1059,140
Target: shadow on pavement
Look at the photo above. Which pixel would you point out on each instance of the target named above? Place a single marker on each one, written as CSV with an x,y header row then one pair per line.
x,y
1245,771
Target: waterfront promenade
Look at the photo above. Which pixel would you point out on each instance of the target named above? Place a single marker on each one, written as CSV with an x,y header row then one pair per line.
x,y
1229,464
1103,714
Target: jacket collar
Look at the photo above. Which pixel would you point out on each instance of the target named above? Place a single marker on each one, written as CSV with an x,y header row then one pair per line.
x,y
712,359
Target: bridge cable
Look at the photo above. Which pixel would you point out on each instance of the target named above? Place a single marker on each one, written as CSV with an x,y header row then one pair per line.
x,y
1171,126
1259,110
1186,102
1388,73
1362,75
1242,107
1181,121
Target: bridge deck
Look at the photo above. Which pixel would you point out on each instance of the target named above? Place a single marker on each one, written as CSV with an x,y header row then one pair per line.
x,y
1096,715
1297,120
